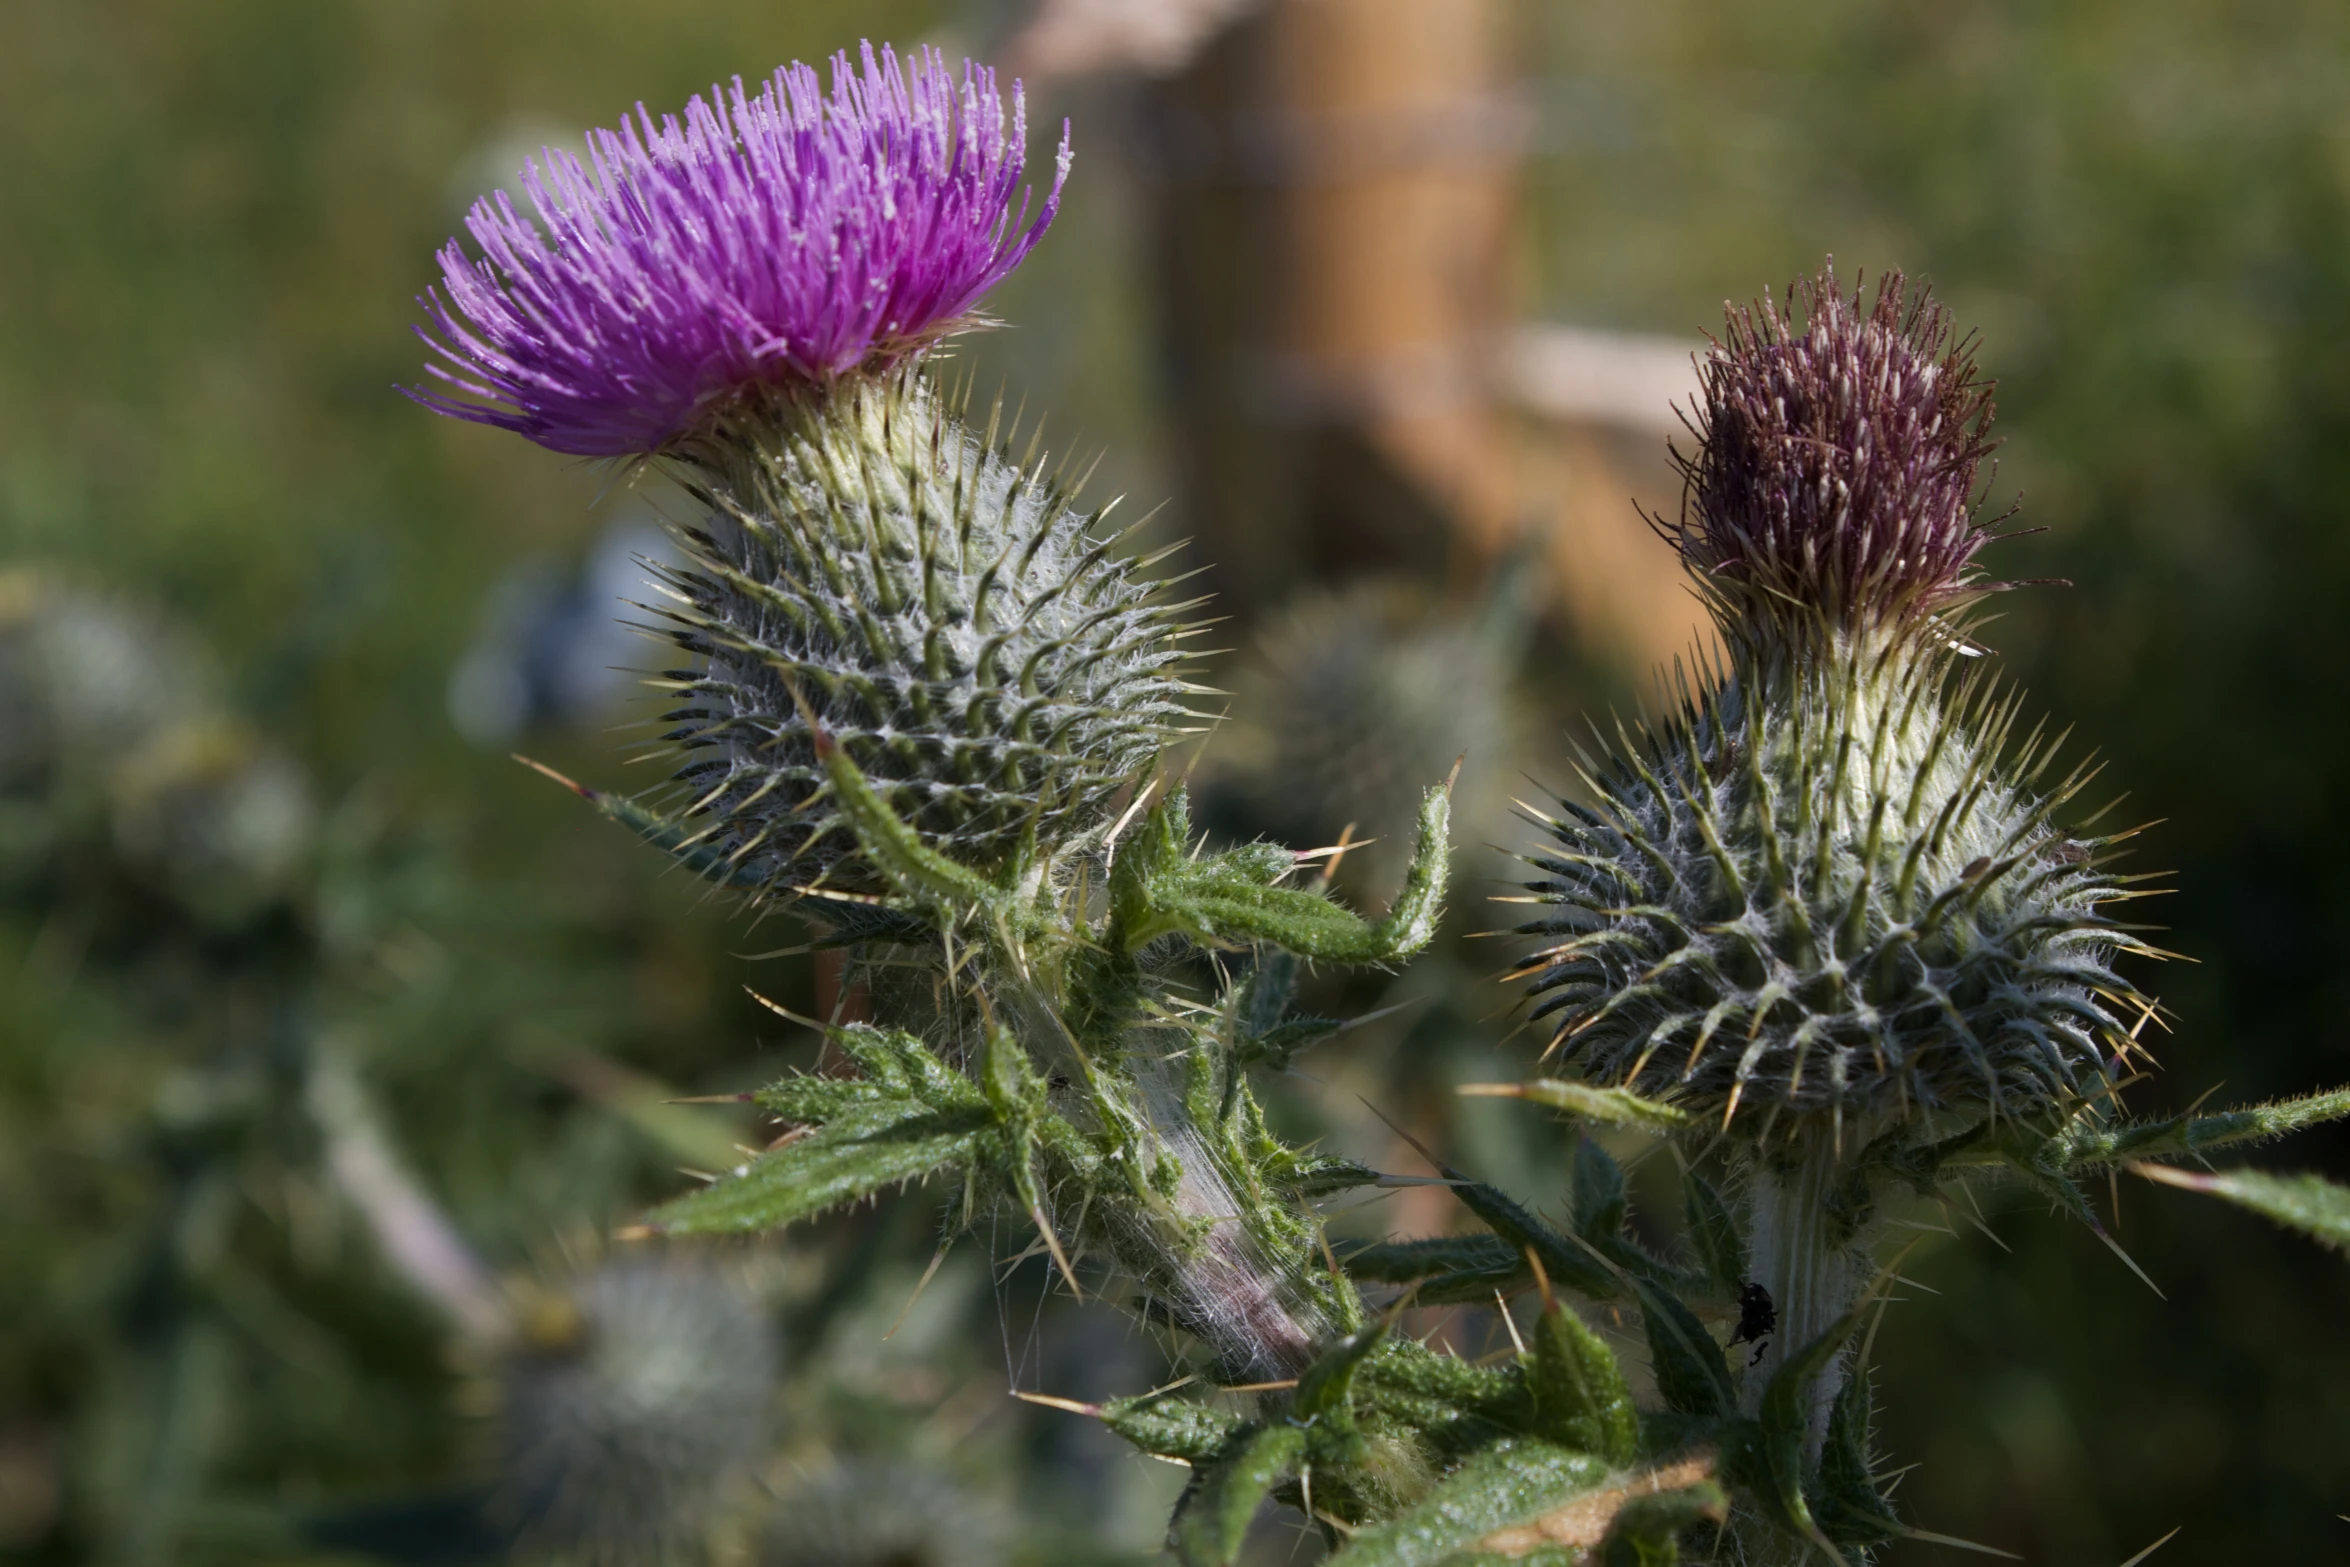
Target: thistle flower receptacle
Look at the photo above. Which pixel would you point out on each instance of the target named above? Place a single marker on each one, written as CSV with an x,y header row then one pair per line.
x,y
992,665
1826,903
783,239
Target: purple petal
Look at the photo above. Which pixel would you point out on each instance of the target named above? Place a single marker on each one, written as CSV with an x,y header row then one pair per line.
x,y
756,239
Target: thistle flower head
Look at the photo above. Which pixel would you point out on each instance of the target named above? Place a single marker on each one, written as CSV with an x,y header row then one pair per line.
x,y
776,240
1833,881
1833,486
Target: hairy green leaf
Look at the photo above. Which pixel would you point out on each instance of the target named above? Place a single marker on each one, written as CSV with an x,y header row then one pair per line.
x,y
1500,1489
2086,1144
1230,898
1599,1201
909,1114
1213,1518
1567,1264
2311,1204
1580,1400
1844,1496
1449,1269
1608,1106
1324,1387
1769,1460
1691,1376
1715,1235
1166,1426
834,1165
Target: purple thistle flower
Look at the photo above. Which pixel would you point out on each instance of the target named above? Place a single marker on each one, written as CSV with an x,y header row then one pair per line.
x,y
1835,472
777,240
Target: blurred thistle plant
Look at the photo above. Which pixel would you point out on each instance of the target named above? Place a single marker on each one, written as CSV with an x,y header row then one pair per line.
x,y
120,758
629,1399
879,1513
1358,695
1823,916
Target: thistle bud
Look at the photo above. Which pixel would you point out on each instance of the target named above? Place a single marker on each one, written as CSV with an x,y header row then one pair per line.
x,y
1827,904
1830,883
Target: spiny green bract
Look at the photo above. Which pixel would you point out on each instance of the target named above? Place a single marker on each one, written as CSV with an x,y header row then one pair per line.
x,y
992,664
1834,887
629,1399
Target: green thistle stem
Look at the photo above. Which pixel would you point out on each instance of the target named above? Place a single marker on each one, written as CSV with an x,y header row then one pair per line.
x,y
1809,1250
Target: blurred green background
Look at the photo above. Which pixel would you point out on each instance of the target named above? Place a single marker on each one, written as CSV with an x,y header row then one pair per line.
x,y
213,221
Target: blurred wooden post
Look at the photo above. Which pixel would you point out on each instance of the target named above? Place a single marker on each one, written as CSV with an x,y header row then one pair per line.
x,y
1336,181
1334,193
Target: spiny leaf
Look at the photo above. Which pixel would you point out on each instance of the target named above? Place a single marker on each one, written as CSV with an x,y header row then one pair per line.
x,y
1500,1489
1647,1532
1449,1269
1265,998
2086,1144
1715,1235
681,840
1786,1403
1213,1518
1690,1373
1769,1458
1599,1200
1580,1400
1170,1427
1609,1106
1566,1263
1229,898
1844,1495
1324,1387
834,1165
2311,1204
1276,1045
908,1115
1452,1405
1313,1175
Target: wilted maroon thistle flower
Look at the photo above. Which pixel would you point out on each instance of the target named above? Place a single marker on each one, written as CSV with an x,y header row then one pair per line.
x,y
1834,477
769,240
1825,904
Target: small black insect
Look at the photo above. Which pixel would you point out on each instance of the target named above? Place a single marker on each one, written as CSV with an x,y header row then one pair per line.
x,y
1757,1317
